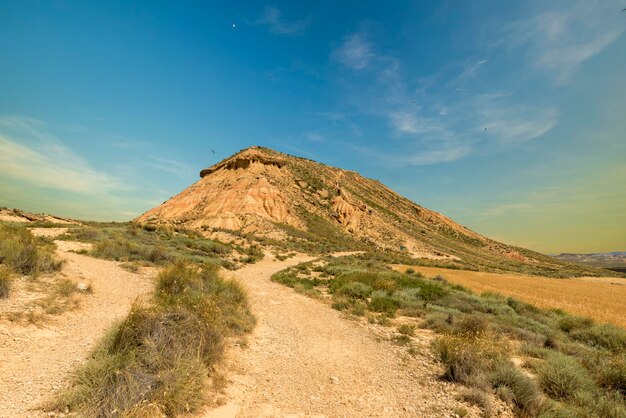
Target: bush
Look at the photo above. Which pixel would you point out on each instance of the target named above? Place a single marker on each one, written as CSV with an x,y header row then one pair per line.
x,y
355,290
606,336
154,357
479,398
25,253
571,323
472,325
561,376
381,302
407,329
156,362
525,394
6,279
611,372
468,360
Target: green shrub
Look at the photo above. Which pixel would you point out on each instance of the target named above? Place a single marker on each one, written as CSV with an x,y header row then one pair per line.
x,y
6,279
355,290
571,323
381,302
525,394
561,376
606,336
610,372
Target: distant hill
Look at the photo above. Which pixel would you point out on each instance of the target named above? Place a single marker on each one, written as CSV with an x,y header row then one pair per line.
x,y
614,260
281,198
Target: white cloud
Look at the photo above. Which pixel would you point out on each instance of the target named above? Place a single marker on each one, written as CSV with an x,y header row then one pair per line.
x,y
272,18
512,123
560,41
31,155
355,52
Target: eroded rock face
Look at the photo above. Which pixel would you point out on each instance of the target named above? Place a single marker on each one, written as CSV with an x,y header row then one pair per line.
x,y
229,195
349,216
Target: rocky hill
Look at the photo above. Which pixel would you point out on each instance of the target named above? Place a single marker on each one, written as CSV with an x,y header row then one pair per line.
x,y
282,198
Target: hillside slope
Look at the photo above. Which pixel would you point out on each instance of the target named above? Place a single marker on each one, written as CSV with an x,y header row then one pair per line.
x,y
279,197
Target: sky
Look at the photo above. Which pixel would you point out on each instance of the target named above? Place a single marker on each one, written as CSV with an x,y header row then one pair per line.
x,y
509,117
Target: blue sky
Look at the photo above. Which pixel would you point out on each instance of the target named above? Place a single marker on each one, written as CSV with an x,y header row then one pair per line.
x,y
509,117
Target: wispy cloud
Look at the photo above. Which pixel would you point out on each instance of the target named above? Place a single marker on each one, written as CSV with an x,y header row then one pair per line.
x,y
559,41
32,155
272,18
355,52
441,125
169,165
509,122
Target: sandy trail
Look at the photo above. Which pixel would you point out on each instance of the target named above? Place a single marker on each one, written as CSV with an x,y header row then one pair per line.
x,y
35,361
307,360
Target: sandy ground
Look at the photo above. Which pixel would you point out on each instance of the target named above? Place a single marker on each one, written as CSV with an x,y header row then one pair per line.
x,y
35,361
305,359
601,298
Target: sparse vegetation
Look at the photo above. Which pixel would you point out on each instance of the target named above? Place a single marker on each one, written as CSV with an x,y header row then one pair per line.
x,y
575,362
156,245
158,360
26,254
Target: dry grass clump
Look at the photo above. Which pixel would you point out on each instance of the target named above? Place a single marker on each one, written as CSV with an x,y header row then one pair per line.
x,y
516,388
6,279
26,254
469,359
158,360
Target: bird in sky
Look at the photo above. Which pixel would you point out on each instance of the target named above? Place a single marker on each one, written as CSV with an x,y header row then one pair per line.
x,y
213,151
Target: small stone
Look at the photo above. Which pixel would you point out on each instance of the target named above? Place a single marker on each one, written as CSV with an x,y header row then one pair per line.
x,y
83,287
334,380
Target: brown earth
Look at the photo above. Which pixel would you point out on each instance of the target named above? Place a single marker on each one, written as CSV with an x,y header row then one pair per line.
x,y
36,360
601,298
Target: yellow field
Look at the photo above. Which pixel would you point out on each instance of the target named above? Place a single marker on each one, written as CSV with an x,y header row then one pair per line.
x,y
601,298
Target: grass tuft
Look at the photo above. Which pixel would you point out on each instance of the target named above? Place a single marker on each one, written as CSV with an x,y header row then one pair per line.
x,y
157,362
26,254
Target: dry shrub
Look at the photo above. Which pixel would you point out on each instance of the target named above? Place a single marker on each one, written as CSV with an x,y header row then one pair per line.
x,y
479,398
157,361
561,376
469,360
25,253
6,279
524,392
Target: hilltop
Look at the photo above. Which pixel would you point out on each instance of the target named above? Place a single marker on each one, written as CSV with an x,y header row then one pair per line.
x,y
279,198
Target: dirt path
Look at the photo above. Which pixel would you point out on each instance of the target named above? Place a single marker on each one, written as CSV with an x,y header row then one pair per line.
x,y
308,360
35,361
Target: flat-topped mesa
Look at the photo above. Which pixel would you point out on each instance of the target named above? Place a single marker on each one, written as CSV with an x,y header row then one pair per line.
x,y
245,158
